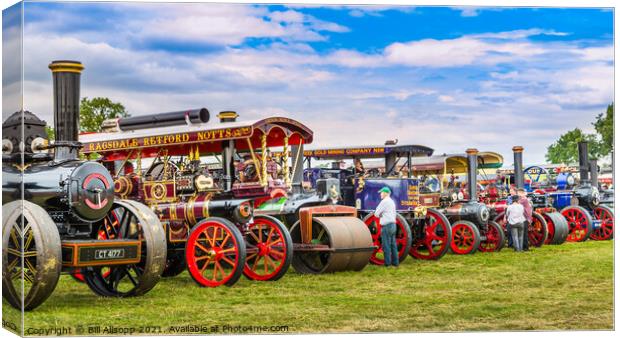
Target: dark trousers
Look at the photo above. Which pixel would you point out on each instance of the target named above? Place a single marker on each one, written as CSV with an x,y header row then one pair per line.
x,y
388,242
526,227
509,234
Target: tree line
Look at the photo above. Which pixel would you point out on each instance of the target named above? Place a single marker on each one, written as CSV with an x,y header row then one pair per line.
x,y
600,144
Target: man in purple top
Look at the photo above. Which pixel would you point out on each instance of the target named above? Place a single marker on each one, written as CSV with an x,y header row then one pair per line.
x,y
527,206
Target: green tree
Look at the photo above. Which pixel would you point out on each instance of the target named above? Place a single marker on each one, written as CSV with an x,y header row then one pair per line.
x,y
94,111
50,133
604,126
564,150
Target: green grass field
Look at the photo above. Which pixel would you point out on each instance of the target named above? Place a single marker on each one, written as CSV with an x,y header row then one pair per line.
x,y
566,287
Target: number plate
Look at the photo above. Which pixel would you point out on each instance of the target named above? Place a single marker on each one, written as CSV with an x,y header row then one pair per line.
x,y
109,254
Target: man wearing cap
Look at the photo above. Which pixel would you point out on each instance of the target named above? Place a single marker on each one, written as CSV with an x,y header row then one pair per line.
x,y
527,206
386,211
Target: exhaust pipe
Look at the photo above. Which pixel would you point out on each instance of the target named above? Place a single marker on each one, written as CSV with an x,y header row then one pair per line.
x,y
594,173
518,166
584,165
175,118
472,170
66,81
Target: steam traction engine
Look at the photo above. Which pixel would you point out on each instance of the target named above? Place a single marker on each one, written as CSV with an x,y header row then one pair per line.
x,y
548,226
587,217
207,209
472,230
422,231
60,213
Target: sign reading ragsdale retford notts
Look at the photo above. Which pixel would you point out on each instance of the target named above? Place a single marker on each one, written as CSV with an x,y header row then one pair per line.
x,y
172,139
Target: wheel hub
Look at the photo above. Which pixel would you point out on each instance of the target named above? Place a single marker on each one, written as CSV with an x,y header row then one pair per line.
x,y
263,249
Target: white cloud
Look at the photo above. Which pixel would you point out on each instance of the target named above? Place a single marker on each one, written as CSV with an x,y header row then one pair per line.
x,y
345,96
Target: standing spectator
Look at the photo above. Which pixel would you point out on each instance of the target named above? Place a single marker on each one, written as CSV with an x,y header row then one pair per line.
x,y
516,218
386,211
527,207
511,197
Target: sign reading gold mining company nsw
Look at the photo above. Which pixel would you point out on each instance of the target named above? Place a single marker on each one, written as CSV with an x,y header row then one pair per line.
x,y
170,139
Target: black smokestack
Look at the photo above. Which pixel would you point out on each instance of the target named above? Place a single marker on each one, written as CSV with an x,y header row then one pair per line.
x,y
594,173
472,171
584,164
66,77
518,164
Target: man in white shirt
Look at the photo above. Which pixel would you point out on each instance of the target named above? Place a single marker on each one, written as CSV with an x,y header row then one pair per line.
x,y
386,211
515,216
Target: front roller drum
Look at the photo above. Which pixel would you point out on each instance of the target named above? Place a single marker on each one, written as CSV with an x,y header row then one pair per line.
x,y
130,220
337,244
403,238
579,223
557,228
538,231
32,239
465,238
605,215
269,249
215,252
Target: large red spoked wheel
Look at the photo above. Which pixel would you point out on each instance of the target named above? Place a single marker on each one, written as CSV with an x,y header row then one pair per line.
x,y
537,232
435,239
269,249
465,238
604,214
557,228
494,238
403,238
579,223
215,252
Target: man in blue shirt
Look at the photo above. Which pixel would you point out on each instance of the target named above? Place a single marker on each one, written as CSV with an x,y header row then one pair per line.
x,y
386,212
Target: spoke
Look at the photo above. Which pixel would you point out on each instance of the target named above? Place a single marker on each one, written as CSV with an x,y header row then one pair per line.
x,y
255,264
275,242
202,247
30,254
133,281
251,256
213,237
136,270
254,236
29,265
13,264
122,223
225,240
227,260
204,267
16,242
269,235
260,233
233,249
271,263
198,259
320,235
29,239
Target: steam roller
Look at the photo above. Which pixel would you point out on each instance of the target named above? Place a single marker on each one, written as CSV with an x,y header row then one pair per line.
x,y
330,239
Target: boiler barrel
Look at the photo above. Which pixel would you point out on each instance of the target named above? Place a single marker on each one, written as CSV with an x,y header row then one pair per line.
x,y
176,118
198,208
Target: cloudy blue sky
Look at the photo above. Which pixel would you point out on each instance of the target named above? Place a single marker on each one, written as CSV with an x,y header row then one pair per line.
x,y
448,78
